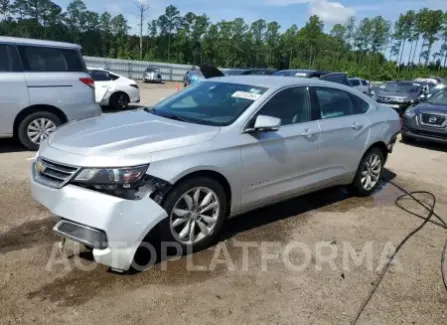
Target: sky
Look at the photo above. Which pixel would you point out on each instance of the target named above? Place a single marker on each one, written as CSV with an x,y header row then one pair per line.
x,y
285,12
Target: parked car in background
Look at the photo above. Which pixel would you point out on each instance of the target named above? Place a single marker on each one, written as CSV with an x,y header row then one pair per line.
x,y
152,74
337,77
361,85
114,90
193,76
216,150
43,84
427,120
303,73
234,72
436,89
259,72
399,95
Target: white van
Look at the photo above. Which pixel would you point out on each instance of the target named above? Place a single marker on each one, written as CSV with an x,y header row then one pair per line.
x,y
43,84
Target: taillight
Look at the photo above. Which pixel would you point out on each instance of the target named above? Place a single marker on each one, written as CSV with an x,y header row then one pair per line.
x,y
88,81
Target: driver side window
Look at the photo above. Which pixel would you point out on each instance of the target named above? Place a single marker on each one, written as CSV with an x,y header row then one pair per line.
x,y
291,105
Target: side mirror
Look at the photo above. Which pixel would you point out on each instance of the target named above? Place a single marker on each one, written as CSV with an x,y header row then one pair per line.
x,y
266,123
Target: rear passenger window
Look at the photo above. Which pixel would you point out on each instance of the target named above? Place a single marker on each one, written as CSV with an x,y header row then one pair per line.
x,y
45,59
98,75
333,102
9,60
359,105
5,63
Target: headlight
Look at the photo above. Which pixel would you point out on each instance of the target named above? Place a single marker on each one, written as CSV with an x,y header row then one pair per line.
x,y
410,113
111,177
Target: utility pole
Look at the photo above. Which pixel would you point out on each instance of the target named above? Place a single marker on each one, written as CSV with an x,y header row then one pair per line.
x,y
142,7
290,58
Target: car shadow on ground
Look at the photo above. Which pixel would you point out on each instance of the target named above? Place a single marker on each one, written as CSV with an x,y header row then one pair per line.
x,y
271,222
426,145
10,145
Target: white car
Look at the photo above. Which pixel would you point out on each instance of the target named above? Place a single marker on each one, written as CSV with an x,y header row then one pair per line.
x,y
114,90
361,85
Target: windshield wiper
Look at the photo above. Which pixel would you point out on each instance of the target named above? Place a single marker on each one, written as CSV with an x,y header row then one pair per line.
x,y
175,117
149,109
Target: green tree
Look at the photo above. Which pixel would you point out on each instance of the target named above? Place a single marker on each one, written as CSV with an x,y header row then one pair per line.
x,y
273,38
168,23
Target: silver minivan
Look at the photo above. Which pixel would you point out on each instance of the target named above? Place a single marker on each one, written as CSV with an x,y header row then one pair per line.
x,y
43,84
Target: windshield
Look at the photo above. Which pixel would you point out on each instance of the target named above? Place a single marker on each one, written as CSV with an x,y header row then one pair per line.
x,y
402,87
439,98
209,103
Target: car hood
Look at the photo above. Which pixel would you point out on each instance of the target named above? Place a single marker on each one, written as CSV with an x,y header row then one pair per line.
x,y
430,108
128,133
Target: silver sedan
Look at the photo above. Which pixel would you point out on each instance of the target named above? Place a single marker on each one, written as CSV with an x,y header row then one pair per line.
x,y
223,147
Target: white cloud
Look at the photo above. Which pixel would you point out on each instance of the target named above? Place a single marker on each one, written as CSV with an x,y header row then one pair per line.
x,y
281,3
113,8
330,12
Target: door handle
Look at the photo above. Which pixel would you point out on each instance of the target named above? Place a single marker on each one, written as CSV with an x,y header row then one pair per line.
x,y
308,133
356,126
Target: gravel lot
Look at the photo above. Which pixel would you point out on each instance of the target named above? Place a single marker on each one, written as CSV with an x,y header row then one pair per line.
x,y
257,292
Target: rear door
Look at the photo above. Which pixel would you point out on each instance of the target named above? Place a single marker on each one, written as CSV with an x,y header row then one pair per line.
x,y
57,77
13,90
345,129
103,82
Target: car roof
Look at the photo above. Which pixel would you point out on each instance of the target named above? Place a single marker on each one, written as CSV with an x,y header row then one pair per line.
x,y
275,82
35,42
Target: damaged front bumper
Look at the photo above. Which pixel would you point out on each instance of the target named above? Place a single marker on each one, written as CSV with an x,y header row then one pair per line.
x,y
112,226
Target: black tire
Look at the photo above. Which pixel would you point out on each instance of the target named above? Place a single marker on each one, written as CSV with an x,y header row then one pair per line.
x,y
405,138
24,139
119,101
164,229
357,186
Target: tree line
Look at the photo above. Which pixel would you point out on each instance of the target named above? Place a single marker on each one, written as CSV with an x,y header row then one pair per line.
x,y
373,48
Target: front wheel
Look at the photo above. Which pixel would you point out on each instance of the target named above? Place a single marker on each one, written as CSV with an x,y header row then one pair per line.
x,y
196,211
369,172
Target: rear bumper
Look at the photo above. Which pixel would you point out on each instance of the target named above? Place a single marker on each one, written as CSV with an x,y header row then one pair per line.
x,y
112,226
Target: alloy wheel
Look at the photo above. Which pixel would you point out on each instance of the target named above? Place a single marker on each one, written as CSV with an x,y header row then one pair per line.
x,y
371,172
194,215
39,129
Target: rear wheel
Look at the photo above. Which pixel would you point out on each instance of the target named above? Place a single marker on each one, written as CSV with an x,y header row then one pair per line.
x,y
36,127
369,172
119,101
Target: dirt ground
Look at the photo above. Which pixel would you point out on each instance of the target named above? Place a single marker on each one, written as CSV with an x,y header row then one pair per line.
x,y
255,291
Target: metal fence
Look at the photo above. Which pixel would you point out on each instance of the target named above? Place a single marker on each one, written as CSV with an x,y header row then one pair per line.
x,y
134,69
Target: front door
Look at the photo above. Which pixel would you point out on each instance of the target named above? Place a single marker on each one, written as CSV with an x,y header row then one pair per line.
x,y
282,163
